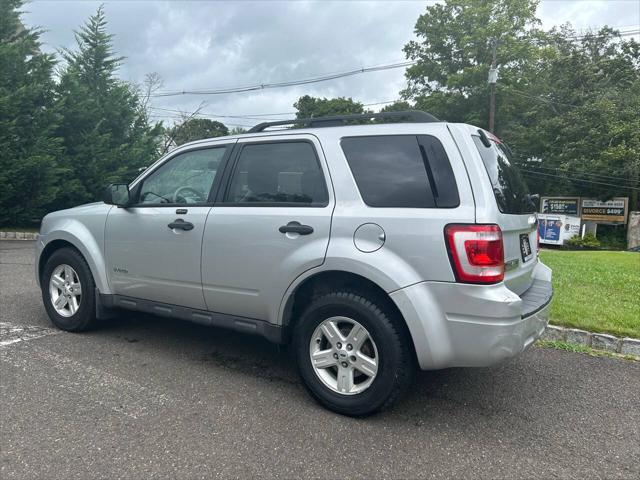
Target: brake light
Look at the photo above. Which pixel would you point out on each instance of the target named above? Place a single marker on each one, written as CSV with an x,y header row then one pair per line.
x,y
476,252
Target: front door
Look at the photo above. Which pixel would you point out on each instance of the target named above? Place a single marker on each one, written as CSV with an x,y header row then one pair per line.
x,y
152,248
270,225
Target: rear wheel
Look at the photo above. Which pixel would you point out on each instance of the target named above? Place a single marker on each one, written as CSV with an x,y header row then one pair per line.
x,y
68,291
352,356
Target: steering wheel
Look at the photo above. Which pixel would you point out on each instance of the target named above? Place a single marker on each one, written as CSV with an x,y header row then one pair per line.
x,y
178,196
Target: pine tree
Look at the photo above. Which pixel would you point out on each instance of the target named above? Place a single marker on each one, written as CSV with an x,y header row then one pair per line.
x,y
106,131
28,147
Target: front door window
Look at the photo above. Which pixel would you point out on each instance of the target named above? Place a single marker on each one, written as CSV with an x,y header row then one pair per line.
x,y
185,179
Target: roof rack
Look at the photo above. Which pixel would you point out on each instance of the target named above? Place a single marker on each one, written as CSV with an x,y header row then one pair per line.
x,y
412,116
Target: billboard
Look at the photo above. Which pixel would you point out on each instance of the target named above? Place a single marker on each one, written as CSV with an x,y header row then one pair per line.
x,y
560,205
611,211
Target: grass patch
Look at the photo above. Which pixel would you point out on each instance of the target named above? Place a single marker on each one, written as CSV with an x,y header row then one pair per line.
x,y
575,348
596,291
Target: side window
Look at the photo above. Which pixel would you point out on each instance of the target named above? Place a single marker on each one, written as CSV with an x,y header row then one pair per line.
x,y
401,171
186,178
280,173
509,188
439,169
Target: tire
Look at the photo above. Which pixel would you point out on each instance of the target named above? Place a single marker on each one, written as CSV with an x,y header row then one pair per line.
x,y
83,316
389,344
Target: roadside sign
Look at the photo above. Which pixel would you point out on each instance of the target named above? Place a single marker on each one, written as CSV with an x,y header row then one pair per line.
x,y
560,205
556,229
611,211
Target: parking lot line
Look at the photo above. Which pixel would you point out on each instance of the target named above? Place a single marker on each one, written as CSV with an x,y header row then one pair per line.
x,y
10,333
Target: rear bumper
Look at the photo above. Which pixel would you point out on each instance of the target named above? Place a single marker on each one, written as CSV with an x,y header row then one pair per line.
x,y
461,325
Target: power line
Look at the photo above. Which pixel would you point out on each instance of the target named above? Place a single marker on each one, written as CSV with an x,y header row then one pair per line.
x,y
559,170
572,179
628,33
579,38
534,97
264,86
213,115
255,116
178,117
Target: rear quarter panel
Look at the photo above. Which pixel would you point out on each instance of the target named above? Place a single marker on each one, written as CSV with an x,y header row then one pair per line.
x,y
414,249
520,278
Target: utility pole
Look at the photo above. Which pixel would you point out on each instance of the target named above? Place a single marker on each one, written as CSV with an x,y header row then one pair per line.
x,y
493,78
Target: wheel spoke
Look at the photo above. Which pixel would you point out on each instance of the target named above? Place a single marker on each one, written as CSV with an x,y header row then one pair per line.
x,y
60,302
331,331
367,365
75,289
68,274
345,379
323,358
57,281
357,336
73,305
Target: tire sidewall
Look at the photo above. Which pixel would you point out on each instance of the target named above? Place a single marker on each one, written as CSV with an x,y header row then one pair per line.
x,y
376,322
86,312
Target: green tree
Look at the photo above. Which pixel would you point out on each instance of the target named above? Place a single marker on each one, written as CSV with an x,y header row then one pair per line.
x,y
312,107
453,55
197,129
567,104
583,120
106,132
397,106
28,166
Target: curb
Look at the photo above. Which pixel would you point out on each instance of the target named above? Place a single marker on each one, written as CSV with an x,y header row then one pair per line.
x,y
598,341
18,236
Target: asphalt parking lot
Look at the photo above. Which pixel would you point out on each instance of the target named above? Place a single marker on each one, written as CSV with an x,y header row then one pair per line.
x,y
145,397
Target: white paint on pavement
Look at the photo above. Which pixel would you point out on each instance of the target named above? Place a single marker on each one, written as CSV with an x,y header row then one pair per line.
x,y
10,333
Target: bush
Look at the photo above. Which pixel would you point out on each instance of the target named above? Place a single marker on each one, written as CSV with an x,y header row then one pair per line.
x,y
589,241
613,237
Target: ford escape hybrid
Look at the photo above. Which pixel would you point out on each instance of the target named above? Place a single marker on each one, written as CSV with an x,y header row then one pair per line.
x,y
370,247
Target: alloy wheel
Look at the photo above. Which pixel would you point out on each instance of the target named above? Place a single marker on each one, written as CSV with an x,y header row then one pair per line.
x,y
65,290
344,355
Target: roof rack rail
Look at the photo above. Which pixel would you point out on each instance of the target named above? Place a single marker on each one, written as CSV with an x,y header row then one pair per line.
x,y
413,116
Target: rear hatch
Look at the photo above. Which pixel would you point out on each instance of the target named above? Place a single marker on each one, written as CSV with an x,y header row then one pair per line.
x,y
516,217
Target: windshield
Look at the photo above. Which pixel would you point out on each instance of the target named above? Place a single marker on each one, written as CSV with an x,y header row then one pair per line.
x,y
509,188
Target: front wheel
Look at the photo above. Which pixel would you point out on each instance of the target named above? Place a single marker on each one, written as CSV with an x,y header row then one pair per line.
x,y
352,355
68,291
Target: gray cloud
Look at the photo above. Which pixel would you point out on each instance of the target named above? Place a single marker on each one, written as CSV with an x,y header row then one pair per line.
x,y
206,45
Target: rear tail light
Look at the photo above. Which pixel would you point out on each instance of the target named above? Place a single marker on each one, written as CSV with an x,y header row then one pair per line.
x,y
476,252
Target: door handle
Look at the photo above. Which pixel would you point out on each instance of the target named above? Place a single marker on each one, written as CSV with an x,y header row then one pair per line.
x,y
296,227
180,224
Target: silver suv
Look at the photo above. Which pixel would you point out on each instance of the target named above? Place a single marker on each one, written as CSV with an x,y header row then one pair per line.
x,y
368,247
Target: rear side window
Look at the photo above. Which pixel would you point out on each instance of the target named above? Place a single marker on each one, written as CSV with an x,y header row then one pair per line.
x,y
402,171
509,188
278,173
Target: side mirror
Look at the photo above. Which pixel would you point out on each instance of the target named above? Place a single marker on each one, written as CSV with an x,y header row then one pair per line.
x,y
117,194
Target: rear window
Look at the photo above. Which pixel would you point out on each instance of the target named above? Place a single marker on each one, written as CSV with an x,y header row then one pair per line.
x,y
509,188
401,171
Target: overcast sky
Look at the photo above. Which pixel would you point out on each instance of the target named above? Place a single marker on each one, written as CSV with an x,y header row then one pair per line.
x,y
208,45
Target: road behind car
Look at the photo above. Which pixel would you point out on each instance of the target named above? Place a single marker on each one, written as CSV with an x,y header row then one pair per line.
x,y
151,397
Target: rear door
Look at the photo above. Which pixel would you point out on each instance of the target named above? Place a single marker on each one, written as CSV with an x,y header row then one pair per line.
x,y
269,225
516,213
